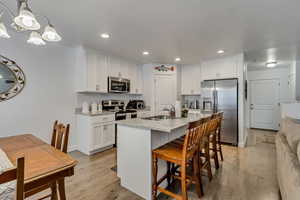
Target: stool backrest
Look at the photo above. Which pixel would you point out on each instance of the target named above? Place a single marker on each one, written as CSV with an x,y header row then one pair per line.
x,y
212,126
60,136
191,142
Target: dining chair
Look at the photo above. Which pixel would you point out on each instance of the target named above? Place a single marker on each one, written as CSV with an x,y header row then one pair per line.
x,y
14,174
60,138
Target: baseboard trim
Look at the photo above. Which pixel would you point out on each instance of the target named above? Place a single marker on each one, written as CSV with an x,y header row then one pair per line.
x,y
72,148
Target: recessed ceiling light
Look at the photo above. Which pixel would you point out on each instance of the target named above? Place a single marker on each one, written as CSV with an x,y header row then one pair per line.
x,y
105,35
177,59
220,51
145,53
271,64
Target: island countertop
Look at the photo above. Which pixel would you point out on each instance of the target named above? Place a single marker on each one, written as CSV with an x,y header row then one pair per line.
x,y
164,125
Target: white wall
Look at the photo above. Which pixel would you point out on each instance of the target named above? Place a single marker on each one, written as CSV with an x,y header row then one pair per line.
x,y
49,91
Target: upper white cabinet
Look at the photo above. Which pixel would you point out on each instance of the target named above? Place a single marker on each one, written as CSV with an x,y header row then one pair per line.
x,y
94,68
135,74
97,67
118,68
190,80
220,68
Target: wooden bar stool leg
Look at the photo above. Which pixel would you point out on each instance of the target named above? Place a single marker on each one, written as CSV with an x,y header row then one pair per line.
x,y
215,152
197,177
53,191
61,189
183,181
169,173
207,158
220,148
221,153
154,172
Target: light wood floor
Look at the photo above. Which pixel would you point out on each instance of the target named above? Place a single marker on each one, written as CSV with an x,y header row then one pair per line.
x,y
246,174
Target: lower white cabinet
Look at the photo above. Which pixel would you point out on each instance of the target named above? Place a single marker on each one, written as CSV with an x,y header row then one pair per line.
x,y
95,133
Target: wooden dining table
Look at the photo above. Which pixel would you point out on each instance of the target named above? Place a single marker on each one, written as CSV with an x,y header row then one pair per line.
x,y
44,165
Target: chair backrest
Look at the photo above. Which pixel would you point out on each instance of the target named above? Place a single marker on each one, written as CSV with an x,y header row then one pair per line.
x,y
17,174
60,136
220,116
212,126
192,139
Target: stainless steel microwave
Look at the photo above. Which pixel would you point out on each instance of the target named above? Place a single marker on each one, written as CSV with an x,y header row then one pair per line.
x,y
118,85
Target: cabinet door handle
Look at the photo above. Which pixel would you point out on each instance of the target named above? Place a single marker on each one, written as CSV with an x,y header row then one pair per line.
x,y
97,87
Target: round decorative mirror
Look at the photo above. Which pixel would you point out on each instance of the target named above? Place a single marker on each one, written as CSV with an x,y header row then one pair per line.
x,y
12,79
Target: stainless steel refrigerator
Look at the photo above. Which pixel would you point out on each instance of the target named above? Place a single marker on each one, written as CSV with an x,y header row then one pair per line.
x,y
222,96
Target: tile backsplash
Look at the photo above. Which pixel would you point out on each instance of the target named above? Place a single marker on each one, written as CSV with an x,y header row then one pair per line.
x,y
97,98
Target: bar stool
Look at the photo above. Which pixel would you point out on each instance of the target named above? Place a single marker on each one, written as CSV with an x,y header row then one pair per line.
x,y
204,150
212,135
180,157
218,116
219,143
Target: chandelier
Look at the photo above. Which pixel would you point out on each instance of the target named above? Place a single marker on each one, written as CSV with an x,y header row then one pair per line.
x,y
24,21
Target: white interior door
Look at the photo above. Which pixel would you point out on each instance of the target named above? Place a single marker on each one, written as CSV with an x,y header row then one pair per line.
x,y
264,104
164,93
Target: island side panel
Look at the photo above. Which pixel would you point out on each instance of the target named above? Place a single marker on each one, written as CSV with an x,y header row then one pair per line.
x,y
134,157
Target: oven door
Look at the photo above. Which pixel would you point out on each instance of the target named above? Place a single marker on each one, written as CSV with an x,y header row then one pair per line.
x,y
118,85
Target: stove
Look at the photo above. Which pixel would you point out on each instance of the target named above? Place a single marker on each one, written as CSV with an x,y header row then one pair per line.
x,y
125,114
121,113
118,107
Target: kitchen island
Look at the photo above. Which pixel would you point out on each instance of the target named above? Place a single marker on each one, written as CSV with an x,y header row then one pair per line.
x,y
135,141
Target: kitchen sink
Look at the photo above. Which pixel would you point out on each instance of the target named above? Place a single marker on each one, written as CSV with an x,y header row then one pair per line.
x,y
158,117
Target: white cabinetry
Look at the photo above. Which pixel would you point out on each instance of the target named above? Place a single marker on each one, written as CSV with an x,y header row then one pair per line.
x,y
118,68
94,68
91,72
220,68
190,80
97,72
95,133
135,75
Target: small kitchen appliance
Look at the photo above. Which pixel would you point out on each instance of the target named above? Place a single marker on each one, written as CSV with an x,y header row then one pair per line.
x,y
118,85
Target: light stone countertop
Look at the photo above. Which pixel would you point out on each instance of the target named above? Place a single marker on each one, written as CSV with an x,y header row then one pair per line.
x,y
78,112
164,125
95,114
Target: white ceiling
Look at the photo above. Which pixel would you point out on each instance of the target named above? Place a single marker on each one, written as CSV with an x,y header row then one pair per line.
x,y
284,56
190,29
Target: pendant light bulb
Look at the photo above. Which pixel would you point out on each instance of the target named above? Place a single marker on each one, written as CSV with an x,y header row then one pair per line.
x,y
50,34
26,18
36,39
3,31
